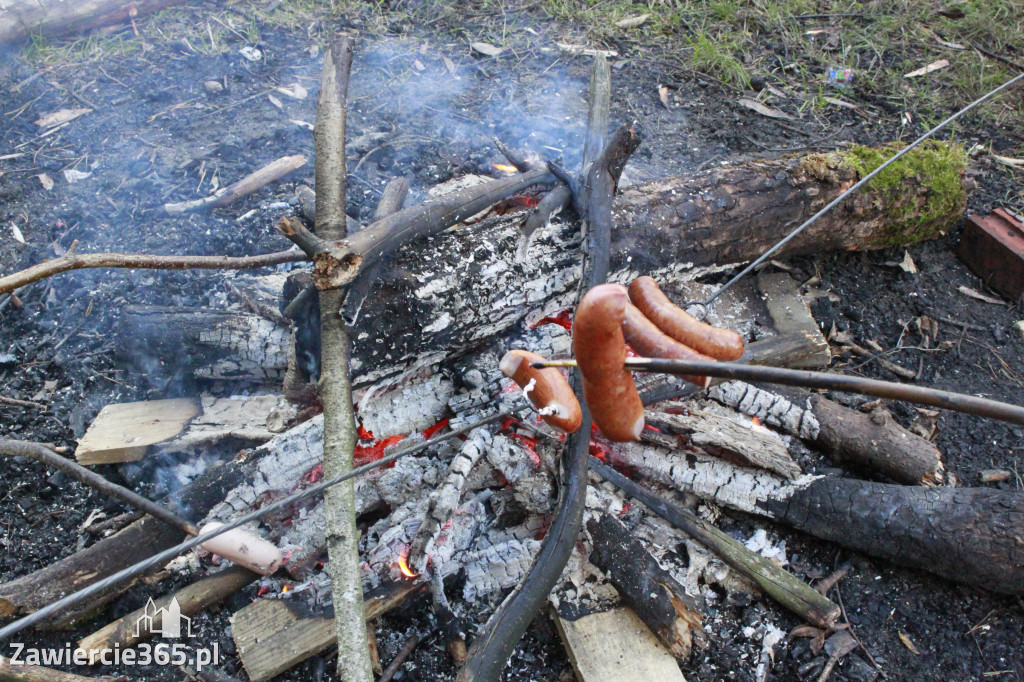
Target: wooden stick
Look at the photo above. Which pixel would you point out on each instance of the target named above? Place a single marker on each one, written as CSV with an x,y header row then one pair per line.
x,y
335,386
130,629
781,585
490,652
959,402
75,261
399,659
275,170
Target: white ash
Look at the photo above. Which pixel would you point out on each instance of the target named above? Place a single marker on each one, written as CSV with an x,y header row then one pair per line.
x,y
528,529
302,540
762,544
772,409
445,499
408,477
498,567
412,403
770,637
604,498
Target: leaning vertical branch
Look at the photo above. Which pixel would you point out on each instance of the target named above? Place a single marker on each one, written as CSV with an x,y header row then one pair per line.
x,y
335,387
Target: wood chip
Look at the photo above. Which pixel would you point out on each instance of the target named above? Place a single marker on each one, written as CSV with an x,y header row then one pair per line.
x,y
633,22
73,176
46,181
295,91
754,105
121,432
486,49
934,66
448,64
967,291
16,232
994,475
62,116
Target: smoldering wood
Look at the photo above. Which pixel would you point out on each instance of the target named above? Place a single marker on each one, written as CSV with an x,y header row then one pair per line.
x,y
651,591
724,437
791,315
792,593
273,635
967,535
20,18
870,442
131,628
672,229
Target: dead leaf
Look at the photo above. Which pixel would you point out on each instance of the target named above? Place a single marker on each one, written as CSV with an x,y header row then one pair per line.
x,y
632,22
303,124
46,181
294,91
874,345
952,46
448,64
663,95
910,645
907,265
18,236
418,65
967,291
486,49
251,53
1007,161
805,631
276,101
835,101
934,66
62,116
754,105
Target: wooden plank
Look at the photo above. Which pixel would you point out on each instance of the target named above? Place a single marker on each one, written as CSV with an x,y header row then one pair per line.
x,y
792,315
272,635
121,432
616,646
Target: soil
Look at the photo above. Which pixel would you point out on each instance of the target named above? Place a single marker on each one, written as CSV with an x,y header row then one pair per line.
x,y
156,133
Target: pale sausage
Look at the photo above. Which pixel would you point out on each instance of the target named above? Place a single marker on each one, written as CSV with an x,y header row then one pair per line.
x,y
547,389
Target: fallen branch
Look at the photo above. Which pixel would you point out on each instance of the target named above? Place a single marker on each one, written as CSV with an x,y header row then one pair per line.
x,y
275,170
19,18
75,261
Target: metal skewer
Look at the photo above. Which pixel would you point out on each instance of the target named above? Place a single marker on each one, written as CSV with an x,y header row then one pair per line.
x,y
958,402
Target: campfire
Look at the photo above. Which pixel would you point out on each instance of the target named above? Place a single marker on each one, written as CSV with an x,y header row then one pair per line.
x,y
471,442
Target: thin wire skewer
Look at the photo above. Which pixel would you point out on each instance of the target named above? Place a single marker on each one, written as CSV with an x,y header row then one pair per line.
x,y
958,402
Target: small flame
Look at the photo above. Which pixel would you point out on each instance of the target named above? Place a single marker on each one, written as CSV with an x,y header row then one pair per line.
x,y
504,167
756,420
286,588
403,565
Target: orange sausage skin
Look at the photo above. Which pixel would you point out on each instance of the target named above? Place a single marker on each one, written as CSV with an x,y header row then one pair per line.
x,y
550,393
721,344
646,339
600,350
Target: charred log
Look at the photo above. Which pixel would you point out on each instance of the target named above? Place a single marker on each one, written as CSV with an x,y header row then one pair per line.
x,y
651,591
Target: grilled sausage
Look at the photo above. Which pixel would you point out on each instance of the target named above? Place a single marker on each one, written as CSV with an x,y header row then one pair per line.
x,y
646,339
600,351
547,389
721,344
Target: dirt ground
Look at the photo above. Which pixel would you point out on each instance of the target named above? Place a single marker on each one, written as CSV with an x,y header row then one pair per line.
x,y
178,109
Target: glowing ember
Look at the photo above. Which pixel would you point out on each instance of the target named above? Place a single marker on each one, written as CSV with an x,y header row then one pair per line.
x,y
374,451
403,565
504,167
286,588
562,319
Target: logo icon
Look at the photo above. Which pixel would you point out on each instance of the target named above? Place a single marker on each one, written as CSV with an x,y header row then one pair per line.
x,y
163,621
